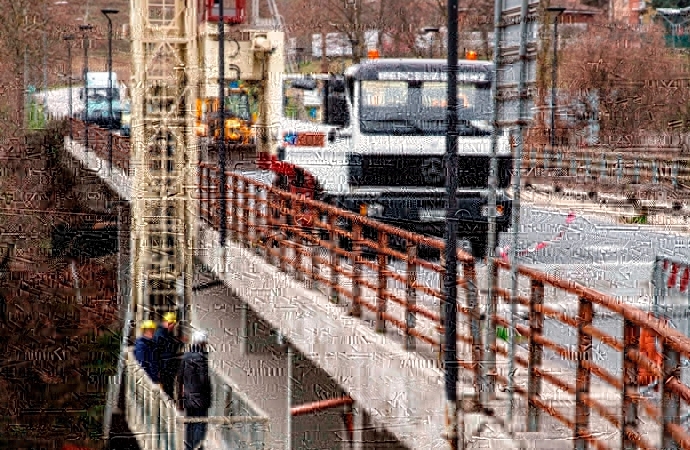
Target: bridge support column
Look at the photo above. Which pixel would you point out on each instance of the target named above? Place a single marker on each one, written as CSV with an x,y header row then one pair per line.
x,y
244,330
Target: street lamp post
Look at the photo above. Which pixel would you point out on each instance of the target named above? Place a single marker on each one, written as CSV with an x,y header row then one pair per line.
x,y
106,13
557,11
450,307
69,38
85,29
432,30
221,141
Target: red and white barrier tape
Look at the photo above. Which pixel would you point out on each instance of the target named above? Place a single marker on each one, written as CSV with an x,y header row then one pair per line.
x,y
673,276
543,244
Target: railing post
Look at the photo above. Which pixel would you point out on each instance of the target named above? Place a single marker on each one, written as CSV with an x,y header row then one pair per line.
x,y
247,231
442,312
573,167
674,174
620,168
234,225
491,370
658,284
282,221
470,275
670,400
533,159
603,166
314,247
588,168
382,285
298,209
655,172
356,308
631,336
636,171
216,201
411,300
582,383
335,259
536,325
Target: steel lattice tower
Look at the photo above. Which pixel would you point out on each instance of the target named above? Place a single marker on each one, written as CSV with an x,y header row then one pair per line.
x,y
164,155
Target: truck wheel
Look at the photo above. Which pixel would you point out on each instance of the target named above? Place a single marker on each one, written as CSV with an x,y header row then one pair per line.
x,y
480,246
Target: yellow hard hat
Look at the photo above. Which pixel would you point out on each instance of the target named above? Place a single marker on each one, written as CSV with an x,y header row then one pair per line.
x,y
148,325
169,317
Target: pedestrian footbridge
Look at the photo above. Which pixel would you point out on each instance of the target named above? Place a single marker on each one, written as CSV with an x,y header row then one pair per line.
x,y
370,317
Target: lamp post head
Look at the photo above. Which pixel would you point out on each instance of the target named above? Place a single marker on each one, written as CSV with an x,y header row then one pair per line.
x,y
85,27
107,11
556,10
431,29
68,37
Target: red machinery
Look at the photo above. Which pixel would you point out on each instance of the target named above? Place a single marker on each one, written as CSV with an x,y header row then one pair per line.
x,y
234,11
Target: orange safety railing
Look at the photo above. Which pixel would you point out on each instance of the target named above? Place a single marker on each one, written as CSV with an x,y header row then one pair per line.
x,y
290,228
265,217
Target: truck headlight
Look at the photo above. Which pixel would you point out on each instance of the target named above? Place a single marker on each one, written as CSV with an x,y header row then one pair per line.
x,y
499,211
371,210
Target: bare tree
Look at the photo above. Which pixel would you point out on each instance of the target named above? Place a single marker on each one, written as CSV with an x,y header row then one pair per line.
x,y
20,52
629,81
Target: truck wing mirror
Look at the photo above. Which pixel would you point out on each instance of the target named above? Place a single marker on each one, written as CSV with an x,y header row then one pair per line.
x,y
331,135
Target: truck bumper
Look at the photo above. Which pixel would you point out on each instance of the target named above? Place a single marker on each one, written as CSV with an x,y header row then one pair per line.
x,y
426,214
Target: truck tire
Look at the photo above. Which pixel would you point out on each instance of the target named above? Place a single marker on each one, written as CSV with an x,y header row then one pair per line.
x,y
479,245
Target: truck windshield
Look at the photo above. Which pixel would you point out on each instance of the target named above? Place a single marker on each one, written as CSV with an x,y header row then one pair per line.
x,y
237,105
102,94
420,107
303,104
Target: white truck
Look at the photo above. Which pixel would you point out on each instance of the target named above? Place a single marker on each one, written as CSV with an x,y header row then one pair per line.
x,y
95,95
379,148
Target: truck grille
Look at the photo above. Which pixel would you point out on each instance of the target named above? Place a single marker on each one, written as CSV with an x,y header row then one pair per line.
x,y
424,171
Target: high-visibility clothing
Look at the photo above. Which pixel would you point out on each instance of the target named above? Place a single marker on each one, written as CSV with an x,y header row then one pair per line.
x,y
648,347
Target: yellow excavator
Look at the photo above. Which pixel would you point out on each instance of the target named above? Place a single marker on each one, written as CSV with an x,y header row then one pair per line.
x,y
239,117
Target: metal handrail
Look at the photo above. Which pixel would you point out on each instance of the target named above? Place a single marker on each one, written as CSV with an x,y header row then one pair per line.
x,y
318,226
157,423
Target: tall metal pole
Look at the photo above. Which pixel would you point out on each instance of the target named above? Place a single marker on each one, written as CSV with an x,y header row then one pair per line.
x,y
488,381
450,276
110,85
515,218
221,110
554,69
45,67
69,38
85,29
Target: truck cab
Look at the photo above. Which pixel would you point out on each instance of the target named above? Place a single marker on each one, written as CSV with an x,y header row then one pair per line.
x,y
96,94
380,149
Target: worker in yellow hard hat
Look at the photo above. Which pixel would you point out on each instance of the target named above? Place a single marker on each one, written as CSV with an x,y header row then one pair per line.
x,y
145,350
169,348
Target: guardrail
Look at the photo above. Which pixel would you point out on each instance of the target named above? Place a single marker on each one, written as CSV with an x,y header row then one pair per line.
x,y
158,425
364,262
608,170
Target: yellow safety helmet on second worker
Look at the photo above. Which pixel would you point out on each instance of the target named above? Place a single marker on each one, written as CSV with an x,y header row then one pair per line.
x,y
170,317
148,325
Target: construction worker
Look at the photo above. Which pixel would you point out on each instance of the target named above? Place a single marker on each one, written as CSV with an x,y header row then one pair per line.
x,y
195,389
145,351
169,349
649,348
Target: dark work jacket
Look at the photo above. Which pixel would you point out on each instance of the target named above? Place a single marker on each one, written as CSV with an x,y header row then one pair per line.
x,y
169,349
194,377
145,352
